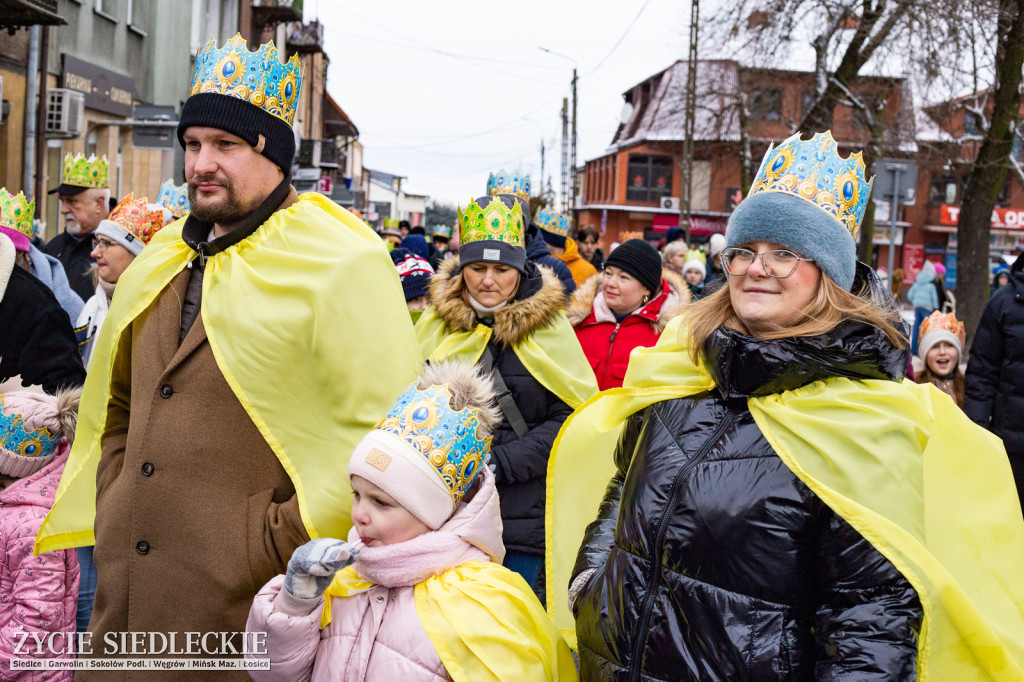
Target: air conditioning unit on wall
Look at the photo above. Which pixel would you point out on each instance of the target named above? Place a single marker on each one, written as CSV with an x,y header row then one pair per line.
x,y
670,202
65,112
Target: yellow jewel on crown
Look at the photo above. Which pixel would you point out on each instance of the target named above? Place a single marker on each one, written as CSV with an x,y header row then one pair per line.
x,y
256,77
16,212
494,221
82,172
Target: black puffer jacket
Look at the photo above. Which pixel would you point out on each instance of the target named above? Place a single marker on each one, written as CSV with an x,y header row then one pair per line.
x,y
521,462
754,577
994,395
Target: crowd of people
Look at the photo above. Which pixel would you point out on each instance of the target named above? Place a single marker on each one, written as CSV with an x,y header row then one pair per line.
x,y
494,450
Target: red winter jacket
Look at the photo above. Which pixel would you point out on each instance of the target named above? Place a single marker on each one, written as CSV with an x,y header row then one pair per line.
x,y
607,344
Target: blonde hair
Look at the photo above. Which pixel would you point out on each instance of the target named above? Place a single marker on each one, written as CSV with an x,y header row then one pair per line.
x,y
672,248
830,306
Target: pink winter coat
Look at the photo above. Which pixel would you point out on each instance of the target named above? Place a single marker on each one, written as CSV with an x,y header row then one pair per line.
x,y
377,634
38,595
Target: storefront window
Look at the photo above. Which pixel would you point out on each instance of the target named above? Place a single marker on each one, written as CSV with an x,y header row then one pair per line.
x,y
650,177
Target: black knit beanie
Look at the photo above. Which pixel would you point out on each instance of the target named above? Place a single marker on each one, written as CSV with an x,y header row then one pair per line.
x,y
638,258
243,119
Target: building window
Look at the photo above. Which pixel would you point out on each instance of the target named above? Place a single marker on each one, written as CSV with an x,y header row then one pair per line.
x,y
138,15
807,100
650,177
942,191
106,8
971,124
766,104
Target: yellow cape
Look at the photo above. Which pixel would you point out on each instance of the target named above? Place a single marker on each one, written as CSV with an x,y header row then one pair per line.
x,y
308,325
901,463
552,354
484,622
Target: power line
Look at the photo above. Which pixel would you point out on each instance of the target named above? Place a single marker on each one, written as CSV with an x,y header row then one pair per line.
x,y
619,41
430,48
448,54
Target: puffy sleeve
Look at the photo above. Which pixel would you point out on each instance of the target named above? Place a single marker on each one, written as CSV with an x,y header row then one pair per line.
x,y
292,628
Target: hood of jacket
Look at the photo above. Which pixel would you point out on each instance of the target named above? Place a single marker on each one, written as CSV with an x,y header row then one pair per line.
x,y
536,247
743,366
659,311
50,272
572,252
37,490
537,302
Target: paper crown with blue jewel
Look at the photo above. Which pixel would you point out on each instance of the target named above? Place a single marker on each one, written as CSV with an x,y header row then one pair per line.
x,y
494,221
258,78
174,198
17,438
446,439
552,222
813,170
514,183
442,231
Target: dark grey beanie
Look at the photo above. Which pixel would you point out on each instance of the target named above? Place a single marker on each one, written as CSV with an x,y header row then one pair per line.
x,y
243,119
638,258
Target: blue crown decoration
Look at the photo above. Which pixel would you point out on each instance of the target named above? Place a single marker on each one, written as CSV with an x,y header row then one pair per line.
x,y
174,198
814,171
446,438
14,437
255,77
552,222
512,183
444,231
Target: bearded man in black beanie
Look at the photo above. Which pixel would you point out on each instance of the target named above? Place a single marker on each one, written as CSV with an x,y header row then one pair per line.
x,y
233,376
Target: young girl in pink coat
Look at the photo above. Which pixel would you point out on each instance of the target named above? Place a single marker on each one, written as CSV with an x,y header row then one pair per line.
x,y
38,594
422,595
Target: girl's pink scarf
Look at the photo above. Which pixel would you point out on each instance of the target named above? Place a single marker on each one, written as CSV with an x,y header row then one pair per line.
x,y
407,563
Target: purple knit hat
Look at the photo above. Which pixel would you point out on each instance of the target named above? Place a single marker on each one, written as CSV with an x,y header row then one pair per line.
x,y
33,426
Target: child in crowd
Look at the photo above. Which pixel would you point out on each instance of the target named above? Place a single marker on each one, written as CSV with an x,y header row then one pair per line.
x,y
939,349
38,594
694,271
420,594
415,273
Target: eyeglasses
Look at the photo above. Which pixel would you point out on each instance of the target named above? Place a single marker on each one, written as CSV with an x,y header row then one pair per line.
x,y
102,243
780,263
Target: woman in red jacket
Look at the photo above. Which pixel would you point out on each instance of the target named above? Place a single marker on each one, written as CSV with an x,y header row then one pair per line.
x,y
625,306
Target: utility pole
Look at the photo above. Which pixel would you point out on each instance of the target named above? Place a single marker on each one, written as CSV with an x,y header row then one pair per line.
x,y
565,155
685,198
541,193
572,155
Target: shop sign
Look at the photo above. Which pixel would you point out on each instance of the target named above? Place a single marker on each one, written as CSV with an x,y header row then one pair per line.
x,y
104,90
913,261
1005,218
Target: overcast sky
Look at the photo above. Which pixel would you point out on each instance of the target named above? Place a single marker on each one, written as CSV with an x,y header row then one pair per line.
x,y
444,92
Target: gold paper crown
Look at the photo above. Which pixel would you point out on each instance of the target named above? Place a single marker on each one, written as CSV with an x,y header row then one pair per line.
x,y
134,216
16,212
494,221
82,172
255,77
696,255
947,322
814,171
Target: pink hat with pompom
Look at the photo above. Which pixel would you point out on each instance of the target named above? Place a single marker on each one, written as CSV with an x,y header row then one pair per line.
x,y
32,427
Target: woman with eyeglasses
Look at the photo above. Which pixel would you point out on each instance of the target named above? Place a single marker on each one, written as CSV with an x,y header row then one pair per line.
x,y
115,244
773,478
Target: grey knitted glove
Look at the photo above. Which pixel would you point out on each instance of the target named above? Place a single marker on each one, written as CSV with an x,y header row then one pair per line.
x,y
312,567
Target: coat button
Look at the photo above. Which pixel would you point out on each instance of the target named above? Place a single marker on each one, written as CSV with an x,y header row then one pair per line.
x,y
147,469
142,547
166,391
380,599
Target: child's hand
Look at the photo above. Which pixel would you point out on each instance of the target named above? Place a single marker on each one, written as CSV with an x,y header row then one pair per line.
x,y
312,567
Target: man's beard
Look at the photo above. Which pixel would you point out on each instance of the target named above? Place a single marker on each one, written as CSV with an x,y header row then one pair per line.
x,y
229,211
72,226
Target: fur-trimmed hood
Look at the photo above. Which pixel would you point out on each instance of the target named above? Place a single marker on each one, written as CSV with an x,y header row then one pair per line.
x,y
539,300
658,311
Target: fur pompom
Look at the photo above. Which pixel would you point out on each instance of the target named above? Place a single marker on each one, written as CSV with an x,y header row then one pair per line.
x,y
469,387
